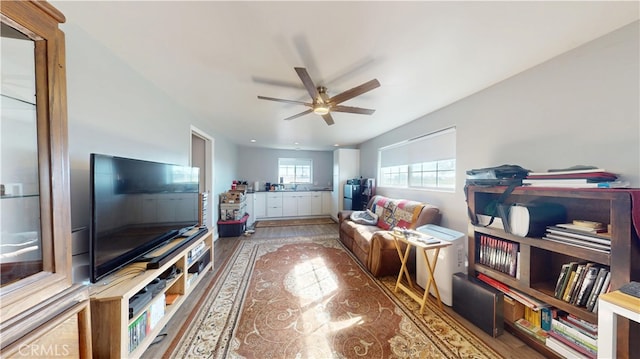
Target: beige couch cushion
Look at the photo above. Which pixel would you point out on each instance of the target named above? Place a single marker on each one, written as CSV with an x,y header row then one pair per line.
x,y
362,241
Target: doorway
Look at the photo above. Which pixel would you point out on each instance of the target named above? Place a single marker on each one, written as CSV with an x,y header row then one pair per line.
x,y
202,157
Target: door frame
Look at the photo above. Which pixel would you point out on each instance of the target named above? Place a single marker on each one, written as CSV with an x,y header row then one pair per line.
x,y
209,176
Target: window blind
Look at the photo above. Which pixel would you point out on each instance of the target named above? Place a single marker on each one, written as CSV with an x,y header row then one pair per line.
x,y
431,147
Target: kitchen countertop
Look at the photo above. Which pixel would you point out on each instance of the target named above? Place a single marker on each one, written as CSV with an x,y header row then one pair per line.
x,y
292,190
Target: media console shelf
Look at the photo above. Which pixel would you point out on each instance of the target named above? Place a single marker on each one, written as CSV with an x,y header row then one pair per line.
x,y
541,260
116,333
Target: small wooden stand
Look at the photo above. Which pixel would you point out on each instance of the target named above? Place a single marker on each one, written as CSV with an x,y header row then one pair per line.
x,y
410,289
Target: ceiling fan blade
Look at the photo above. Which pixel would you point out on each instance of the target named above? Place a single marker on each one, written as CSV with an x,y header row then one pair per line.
x,y
287,101
271,82
349,109
356,91
328,119
308,83
298,115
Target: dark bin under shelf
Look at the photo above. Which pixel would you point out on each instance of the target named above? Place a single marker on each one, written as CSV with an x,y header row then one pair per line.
x,y
232,228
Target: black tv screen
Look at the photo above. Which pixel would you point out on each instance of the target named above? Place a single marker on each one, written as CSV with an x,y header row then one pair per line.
x,y
136,206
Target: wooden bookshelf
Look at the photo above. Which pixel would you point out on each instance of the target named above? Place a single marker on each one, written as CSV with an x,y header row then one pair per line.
x,y
541,260
110,298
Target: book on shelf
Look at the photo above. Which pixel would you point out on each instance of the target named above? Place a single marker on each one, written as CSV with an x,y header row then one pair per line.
x,y
570,268
563,349
561,279
584,240
606,287
594,176
581,323
600,238
533,330
533,316
581,223
584,350
597,287
573,281
577,243
563,181
587,285
574,334
583,229
569,184
569,171
580,283
590,330
546,317
579,279
528,301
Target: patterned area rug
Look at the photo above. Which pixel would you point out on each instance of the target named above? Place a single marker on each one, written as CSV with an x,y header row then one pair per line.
x,y
309,298
294,222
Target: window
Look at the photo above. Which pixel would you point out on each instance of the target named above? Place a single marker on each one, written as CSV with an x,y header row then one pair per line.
x,y
427,162
295,170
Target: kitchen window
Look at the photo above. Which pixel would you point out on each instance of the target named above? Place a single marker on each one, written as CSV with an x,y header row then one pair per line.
x,y
425,162
295,170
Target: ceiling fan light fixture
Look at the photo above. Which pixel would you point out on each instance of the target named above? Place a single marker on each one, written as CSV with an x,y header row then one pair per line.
x,y
321,104
321,109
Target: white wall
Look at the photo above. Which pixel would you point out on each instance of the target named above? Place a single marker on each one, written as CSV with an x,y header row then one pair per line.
x,y
113,110
261,164
579,108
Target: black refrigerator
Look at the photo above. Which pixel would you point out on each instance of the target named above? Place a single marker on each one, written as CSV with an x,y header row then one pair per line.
x,y
352,196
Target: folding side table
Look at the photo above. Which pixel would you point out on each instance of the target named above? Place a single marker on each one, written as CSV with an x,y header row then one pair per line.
x,y
410,289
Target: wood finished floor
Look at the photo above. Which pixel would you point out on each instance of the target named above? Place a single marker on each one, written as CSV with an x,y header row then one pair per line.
x,y
506,344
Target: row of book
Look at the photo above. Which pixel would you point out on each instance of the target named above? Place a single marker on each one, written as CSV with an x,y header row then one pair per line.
x,y
573,337
576,177
571,234
499,254
525,299
581,283
566,334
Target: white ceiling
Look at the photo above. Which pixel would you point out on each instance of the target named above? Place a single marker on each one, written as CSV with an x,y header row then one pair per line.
x,y
215,58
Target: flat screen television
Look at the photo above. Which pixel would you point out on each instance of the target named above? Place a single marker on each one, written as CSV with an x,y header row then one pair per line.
x,y
136,206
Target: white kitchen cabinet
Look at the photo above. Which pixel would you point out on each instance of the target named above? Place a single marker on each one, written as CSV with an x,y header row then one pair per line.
x,y
290,204
260,205
274,204
304,203
316,203
327,204
295,204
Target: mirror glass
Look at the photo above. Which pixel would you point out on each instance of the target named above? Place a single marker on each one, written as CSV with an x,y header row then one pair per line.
x,y
20,231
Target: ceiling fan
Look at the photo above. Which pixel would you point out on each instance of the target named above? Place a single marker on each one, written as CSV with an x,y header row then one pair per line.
x,y
321,104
